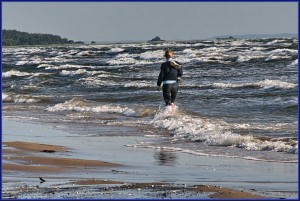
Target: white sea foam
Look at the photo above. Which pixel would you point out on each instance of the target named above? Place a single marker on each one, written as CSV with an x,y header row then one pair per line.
x,y
267,127
284,51
72,52
126,55
122,61
77,72
157,54
7,97
277,57
21,98
263,84
281,54
15,73
82,53
116,49
131,59
220,53
26,99
275,42
44,65
190,52
245,58
237,43
97,81
294,63
204,55
209,54
23,62
25,50
29,61
81,105
214,133
276,84
139,84
260,49
70,66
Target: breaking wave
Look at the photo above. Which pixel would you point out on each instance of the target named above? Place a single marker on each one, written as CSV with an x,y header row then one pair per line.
x,y
22,98
82,105
215,133
261,84
77,72
15,73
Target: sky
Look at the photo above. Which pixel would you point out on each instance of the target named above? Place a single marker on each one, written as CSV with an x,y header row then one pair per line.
x,y
138,21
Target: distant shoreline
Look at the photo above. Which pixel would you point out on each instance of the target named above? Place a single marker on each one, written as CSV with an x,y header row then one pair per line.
x,y
140,41
15,37
246,36
256,36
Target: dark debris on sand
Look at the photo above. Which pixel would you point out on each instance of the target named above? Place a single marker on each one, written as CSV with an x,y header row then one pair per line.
x,y
126,191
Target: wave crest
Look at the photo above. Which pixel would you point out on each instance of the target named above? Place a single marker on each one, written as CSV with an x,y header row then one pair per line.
x,y
82,105
261,84
22,98
215,133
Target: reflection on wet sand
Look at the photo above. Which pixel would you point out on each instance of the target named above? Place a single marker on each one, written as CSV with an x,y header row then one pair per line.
x,y
165,157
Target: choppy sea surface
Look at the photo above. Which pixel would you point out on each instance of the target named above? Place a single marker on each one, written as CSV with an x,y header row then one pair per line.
x,y
239,98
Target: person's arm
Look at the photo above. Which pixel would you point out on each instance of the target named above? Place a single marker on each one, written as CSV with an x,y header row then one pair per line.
x,y
160,77
180,72
175,64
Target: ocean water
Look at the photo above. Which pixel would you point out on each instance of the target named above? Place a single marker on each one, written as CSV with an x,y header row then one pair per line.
x,y
239,98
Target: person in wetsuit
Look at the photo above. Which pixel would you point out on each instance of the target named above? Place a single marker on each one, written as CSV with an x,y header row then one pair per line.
x,y
170,73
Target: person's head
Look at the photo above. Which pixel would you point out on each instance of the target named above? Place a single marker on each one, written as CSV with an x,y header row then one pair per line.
x,y
169,54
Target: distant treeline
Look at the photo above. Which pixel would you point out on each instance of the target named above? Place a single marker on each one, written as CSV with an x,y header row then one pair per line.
x,y
14,37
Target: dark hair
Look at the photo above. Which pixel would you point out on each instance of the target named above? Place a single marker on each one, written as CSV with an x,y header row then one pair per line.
x,y
167,53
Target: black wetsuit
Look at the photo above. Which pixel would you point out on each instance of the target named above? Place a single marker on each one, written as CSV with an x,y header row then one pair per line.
x,y
169,76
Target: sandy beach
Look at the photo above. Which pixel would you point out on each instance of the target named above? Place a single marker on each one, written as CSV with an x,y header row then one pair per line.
x,y
21,157
87,121
68,166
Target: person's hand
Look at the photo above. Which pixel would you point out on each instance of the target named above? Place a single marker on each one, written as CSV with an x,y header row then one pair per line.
x,y
179,80
158,88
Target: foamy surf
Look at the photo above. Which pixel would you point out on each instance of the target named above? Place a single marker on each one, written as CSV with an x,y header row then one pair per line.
x,y
20,98
15,73
261,84
77,72
216,133
167,111
82,105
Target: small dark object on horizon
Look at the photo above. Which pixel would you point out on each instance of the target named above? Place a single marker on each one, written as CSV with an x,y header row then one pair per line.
x,y
156,39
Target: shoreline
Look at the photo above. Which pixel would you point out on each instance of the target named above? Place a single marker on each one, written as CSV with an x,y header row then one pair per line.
x,y
106,168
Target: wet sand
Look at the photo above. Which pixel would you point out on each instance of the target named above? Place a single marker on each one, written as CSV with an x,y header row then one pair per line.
x,y
21,156
215,191
29,146
41,170
18,156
